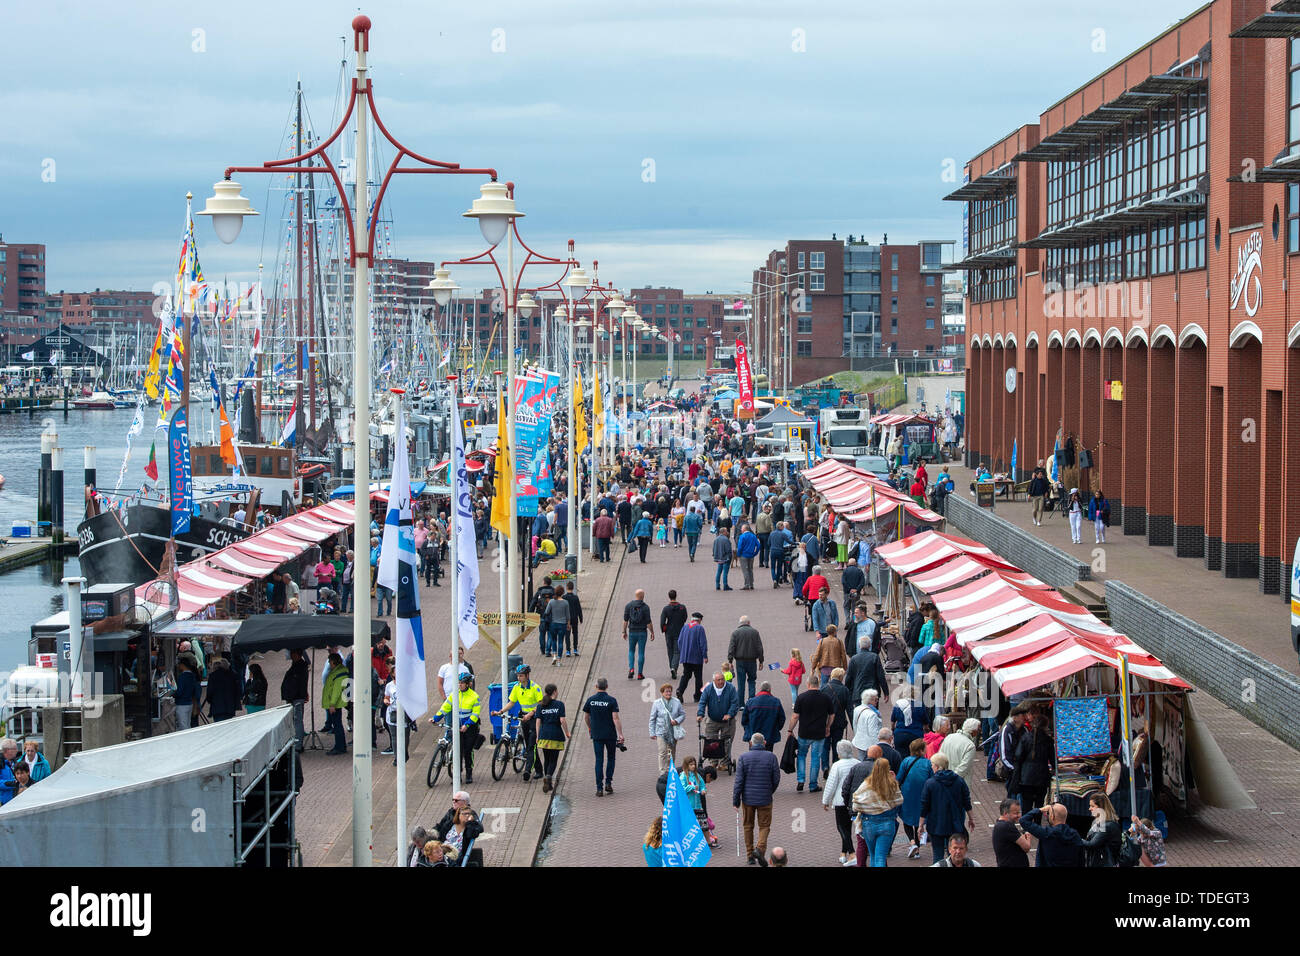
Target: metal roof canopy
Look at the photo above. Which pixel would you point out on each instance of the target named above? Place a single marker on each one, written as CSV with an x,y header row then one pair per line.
x,y
987,185
1282,21
1285,168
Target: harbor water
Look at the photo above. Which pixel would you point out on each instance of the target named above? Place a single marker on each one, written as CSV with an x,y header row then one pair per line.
x,y
36,591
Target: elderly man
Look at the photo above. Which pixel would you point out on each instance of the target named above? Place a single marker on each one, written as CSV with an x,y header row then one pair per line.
x,y
8,760
717,713
747,548
758,774
746,649
957,845
722,555
867,723
602,529
959,748
1059,844
763,528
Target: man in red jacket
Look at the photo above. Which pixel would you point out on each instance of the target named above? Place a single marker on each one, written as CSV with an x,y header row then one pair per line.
x,y
602,529
816,581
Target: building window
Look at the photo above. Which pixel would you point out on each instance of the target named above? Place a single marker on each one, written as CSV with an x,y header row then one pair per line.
x,y
893,325
931,255
929,302
688,310
893,283
803,349
1191,243
804,324
673,310
801,258
929,281
1162,249
929,323
1293,210
893,262
817,260
659,309
817,282
893,304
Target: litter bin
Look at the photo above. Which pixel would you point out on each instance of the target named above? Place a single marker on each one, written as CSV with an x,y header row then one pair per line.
x,y
494,704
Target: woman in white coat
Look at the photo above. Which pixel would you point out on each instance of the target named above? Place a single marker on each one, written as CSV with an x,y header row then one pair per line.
x,y
1076,510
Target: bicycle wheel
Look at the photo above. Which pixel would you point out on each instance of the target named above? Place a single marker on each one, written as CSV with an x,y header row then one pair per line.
x,y
500,758
520,754
437,762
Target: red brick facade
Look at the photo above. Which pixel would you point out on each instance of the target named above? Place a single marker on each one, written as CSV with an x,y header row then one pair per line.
x,y
1196,452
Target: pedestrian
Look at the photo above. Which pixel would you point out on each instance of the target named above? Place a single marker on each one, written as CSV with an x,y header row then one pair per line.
x,y
678,520
575,618
35,761
1011,844
692,526
606,729
1038,488
602,529
758,774
799,567
652,845
945,807
833,798
642,532
661,533
1059,844
913,772
671,621
959,747
187,694
829,654
866,672
875,807
867,722
794,671
557,612
722,555
526,695
693,654
637,625
811,723
765,715
1151,840
824,613
908,720
470,715
666,719
1034,762
747,548
1099,512
958,844
746,649
552,732
716,714
333,701
1102,845
1075,510
696,787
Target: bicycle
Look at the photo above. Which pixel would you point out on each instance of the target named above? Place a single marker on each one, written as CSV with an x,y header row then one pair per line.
x,y
510,749
441,759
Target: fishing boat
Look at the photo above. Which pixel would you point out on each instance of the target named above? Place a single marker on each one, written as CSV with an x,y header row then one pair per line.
x,y
96,400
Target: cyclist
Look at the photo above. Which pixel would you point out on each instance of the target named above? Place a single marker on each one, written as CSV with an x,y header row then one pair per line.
x,y
469,721
527,695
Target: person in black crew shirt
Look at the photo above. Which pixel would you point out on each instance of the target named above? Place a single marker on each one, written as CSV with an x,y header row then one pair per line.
x,y
671,621
606,729
624,510
811,722
1010,842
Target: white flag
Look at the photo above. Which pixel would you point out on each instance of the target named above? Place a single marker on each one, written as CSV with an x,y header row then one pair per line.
x,y
397,572
466,553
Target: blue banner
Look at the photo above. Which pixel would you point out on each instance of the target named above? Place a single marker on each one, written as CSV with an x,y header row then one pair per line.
x,y
683,840
532,441
182,482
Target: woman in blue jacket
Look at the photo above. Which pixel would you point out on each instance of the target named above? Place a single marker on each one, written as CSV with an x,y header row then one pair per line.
x,y
39,766
1099,513
913,772
652,845
642,531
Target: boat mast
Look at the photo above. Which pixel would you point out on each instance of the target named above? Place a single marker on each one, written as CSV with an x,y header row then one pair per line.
x,y
299,417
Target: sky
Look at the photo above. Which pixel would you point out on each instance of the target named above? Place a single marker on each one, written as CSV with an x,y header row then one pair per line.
x,y
676,141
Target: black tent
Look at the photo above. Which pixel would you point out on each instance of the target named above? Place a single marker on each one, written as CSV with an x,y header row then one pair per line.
x,y
300,632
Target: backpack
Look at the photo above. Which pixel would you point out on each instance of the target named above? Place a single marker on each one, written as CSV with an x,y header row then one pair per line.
x,y
993,749
639,618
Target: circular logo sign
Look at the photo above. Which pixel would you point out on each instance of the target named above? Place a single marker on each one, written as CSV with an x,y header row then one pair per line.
x,y
1011,380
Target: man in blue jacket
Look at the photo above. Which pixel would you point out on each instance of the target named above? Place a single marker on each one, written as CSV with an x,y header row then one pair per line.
x,y
1059,844
776,545
692,525
717,712
692,654
747,548
758,774
764,715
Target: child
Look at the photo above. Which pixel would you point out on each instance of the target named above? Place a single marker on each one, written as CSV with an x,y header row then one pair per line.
x,y
1151,840
661,533
695,788
729,672
794,673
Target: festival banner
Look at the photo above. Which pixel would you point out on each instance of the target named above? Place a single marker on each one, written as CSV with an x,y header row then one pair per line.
x,y
182,482
466,552
532,438
683,840
744,383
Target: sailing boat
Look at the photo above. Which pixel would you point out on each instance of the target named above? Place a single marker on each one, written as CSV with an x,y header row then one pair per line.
x,y
125,541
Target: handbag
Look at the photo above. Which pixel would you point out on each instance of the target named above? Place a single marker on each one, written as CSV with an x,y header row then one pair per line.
x,y
789,756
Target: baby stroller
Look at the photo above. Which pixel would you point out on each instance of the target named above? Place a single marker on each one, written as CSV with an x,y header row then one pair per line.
x,y
787,557
715,749
893,653
806,604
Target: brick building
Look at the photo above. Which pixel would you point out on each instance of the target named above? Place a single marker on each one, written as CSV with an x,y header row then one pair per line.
x,y
828,301
702,322
1128,257
22,289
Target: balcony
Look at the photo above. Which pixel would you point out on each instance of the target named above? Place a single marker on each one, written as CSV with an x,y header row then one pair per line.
x,y
1152,208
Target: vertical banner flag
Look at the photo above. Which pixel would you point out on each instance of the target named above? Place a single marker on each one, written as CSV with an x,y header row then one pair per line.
x,y
683,841
744,383
182,486
579,416
466,556
532,439
597,409
1014,449
397,572
504,474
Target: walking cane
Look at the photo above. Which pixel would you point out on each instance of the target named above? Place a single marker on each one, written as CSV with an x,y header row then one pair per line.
x,y
737,834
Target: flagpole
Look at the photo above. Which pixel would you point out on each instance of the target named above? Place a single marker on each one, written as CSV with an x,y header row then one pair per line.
x,y
1128,741
453,553
400,726
501,564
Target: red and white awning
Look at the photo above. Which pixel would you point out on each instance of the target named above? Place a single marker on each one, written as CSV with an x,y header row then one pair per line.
x,y
207,580
861,496
890,420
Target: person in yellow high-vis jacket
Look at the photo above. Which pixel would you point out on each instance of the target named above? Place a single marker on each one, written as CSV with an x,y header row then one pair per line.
x,y
469,724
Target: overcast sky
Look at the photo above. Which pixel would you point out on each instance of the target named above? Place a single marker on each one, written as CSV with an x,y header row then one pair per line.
x,y
676,141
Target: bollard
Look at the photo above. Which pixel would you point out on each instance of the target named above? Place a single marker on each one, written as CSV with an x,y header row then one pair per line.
x,y
43,479
56,495
75,641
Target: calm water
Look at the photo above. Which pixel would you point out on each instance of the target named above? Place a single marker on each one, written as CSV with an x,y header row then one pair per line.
x,y
36,591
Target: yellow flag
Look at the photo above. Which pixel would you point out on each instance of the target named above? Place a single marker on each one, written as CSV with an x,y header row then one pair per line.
x,y
579,418
598,409
153,374
501,518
